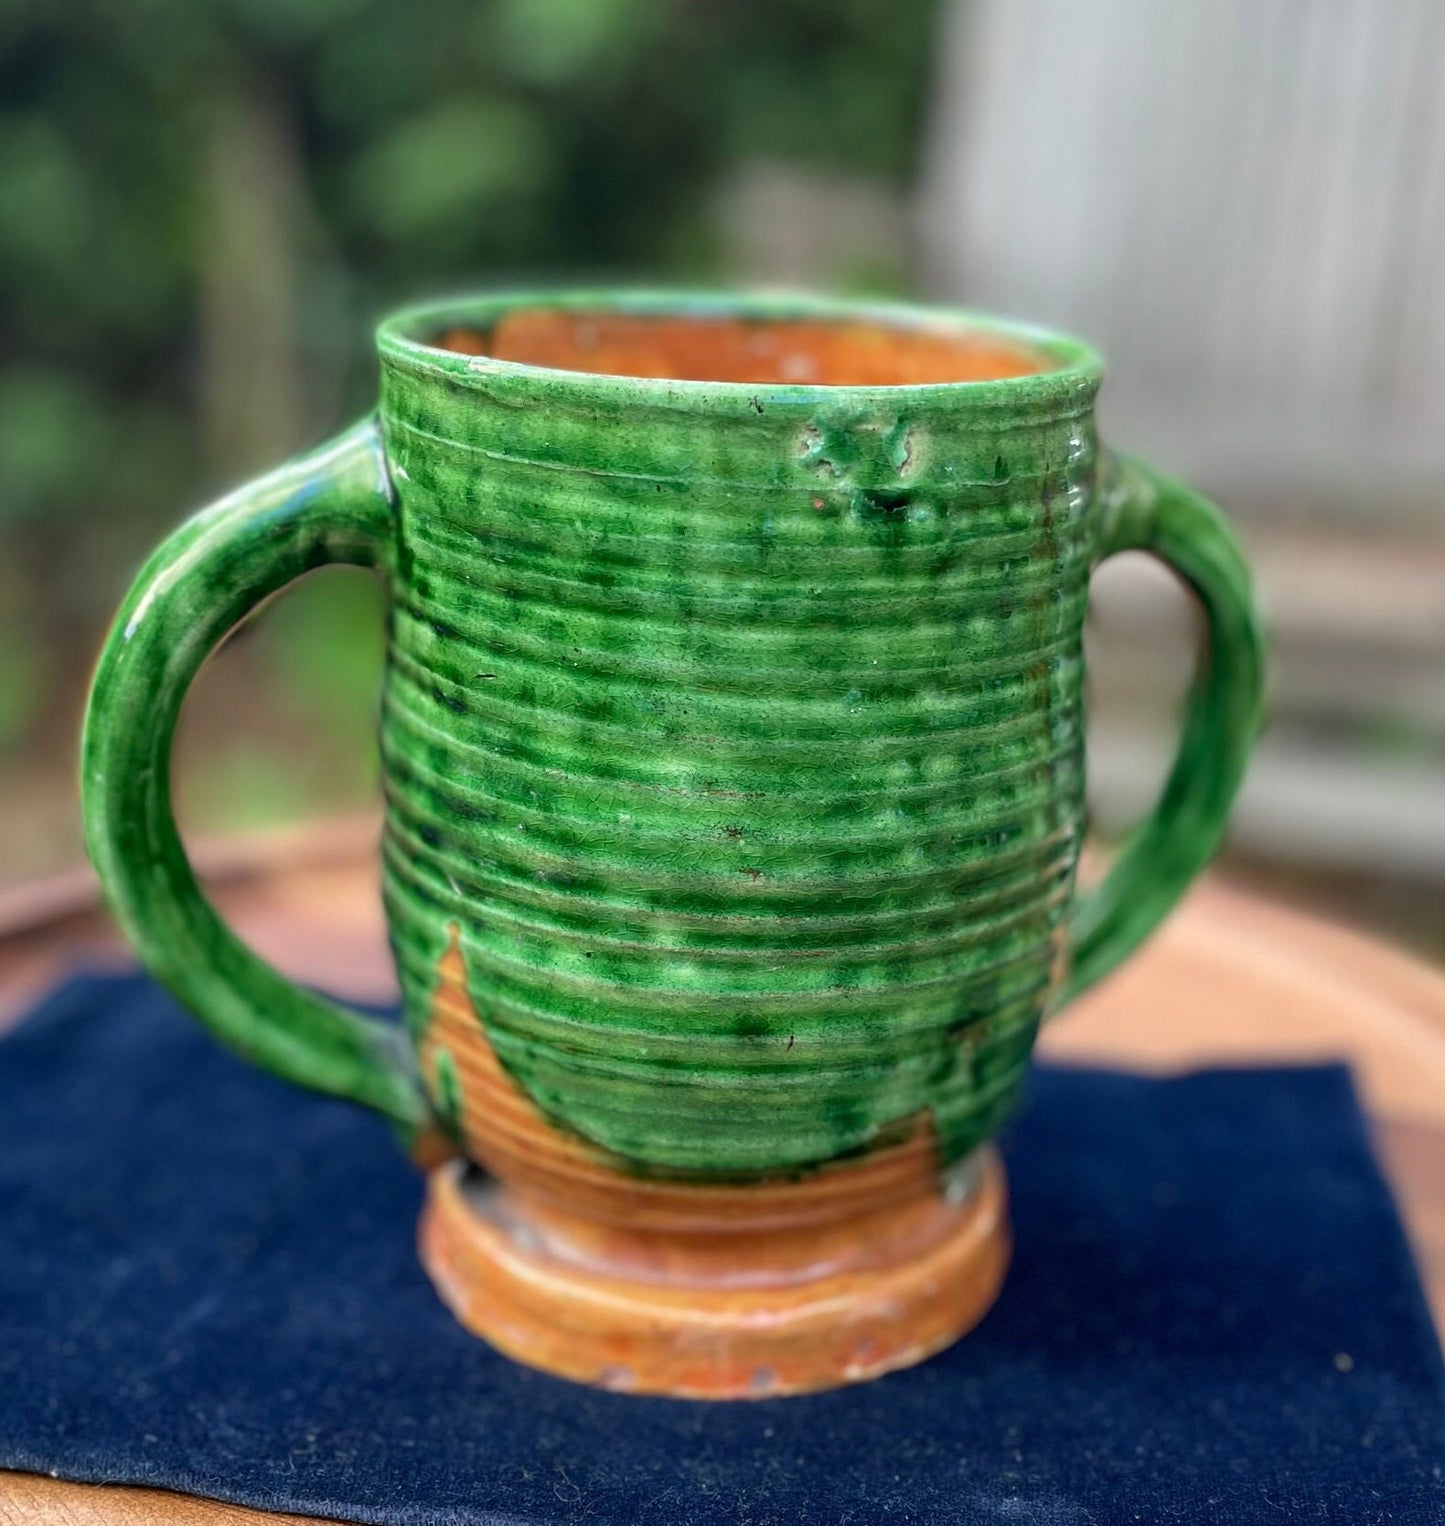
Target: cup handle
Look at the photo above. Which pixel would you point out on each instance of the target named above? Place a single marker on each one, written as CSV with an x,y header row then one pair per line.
x,y
333,505
1143,510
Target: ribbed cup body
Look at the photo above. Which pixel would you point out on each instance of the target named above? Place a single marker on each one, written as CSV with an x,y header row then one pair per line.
x,y
737,738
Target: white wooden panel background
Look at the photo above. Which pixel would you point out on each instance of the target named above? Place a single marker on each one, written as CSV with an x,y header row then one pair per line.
x,y
1242,202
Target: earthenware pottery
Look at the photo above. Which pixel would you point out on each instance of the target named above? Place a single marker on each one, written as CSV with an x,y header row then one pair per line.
x,y
733,751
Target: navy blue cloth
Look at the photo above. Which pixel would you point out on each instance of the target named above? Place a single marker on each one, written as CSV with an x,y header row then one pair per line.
x,y
208,1282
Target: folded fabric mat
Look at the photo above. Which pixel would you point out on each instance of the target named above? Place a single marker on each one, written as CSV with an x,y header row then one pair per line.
x,y
208,1282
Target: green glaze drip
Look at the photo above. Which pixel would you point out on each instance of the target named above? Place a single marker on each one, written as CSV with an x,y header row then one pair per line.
x,y
449,1096
737,729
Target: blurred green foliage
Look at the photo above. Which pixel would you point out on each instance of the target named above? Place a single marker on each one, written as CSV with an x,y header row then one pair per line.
x,y
204,204
434,142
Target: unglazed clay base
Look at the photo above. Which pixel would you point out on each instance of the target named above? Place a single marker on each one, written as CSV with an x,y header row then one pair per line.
x,y
733,1305
570,1260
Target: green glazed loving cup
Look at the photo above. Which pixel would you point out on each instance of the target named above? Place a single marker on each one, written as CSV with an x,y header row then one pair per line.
x,y
733,745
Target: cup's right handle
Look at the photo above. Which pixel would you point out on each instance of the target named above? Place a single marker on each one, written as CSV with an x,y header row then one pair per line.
x,y
1143,510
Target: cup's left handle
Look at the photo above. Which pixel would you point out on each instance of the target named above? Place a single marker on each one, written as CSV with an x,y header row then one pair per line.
x,y
333,505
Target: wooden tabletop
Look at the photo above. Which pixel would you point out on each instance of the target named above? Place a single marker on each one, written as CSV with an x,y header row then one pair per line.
x,y
1230,979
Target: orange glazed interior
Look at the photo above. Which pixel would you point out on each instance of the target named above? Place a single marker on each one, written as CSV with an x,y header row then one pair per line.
x,y
768,352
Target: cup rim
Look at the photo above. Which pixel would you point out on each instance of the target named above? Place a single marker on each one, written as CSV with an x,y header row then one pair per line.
x,y
402,340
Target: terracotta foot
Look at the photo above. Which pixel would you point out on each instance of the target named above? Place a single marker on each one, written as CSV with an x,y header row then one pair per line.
x,y
718,1304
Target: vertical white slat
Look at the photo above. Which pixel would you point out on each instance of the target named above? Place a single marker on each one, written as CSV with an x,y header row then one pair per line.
x,y
1243,201
1409,329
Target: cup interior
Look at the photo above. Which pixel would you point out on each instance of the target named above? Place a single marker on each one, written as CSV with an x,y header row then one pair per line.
x,y
768,351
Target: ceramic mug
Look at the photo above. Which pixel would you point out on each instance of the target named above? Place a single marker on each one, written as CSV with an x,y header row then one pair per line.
x,y
733,747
